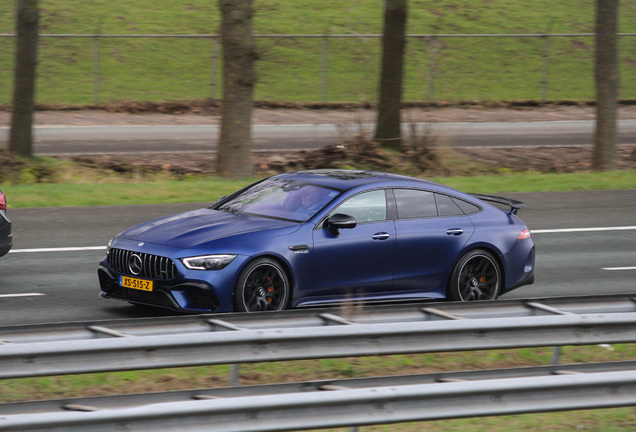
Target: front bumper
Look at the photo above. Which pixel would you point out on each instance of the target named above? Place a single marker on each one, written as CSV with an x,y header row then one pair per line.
x,y
174,286
177,295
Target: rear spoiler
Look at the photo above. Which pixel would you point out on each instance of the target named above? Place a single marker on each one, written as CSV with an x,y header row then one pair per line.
x,y
514,204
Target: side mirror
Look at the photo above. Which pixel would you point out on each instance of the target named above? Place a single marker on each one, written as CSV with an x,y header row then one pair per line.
x,y
340,221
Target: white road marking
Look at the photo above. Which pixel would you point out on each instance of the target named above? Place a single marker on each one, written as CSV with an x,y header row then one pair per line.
x,y
62,249
619,268
571,230
21,295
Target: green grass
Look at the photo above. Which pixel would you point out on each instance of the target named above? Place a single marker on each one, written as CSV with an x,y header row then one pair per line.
x,y
60,195
290,69
538,182
210,189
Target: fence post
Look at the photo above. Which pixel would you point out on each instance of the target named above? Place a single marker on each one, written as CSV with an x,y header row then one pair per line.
x,y
324,68
546,64
546,61
96,59
432,67
214,69
96,69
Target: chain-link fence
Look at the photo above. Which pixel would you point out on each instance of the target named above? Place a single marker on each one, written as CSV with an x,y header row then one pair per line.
x,y
94,68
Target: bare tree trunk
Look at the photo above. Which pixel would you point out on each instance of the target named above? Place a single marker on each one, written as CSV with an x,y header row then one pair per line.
x,y
239,56
606,84
387,130
21,135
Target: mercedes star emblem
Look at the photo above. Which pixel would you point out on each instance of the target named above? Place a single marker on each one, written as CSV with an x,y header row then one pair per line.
x,y
135,264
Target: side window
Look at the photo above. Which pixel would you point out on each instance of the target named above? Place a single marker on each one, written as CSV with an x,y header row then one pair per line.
x,y
467,208
447,206
365,207
413,203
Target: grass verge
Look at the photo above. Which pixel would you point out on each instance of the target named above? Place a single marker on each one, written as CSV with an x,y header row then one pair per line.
x,y
209,189
312,69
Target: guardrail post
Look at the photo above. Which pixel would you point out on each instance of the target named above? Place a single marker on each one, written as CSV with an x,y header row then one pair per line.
x,y
556,355
235,375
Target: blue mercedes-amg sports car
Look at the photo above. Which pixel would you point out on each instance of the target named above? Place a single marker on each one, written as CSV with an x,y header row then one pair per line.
x,y
320,237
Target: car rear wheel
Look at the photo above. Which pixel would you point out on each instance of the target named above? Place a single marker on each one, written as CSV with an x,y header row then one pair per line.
x,y
262,286
476,276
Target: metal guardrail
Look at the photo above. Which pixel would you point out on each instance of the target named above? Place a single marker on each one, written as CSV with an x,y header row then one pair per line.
x,y
317,317
185,341
351,407
318,333
117,402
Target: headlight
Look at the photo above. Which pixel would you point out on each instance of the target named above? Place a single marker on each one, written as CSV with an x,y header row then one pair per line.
x,y
208,262
109,245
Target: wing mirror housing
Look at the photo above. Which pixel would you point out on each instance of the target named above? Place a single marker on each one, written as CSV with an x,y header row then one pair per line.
x,y
340,221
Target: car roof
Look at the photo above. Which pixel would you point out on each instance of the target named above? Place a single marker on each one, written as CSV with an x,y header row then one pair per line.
x,y
347,179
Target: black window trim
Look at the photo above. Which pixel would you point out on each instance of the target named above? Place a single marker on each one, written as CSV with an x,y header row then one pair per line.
x,y
435,193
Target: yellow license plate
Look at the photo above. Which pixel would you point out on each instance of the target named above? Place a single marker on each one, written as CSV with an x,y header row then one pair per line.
x,y
140,284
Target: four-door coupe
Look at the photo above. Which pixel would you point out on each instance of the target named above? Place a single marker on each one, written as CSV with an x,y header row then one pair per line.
x,y
324,236
6,238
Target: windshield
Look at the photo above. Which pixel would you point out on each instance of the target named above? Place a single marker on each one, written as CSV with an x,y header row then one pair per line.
x,y
281,198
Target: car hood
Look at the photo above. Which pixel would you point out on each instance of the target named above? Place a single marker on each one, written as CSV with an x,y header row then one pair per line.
x,y
198,228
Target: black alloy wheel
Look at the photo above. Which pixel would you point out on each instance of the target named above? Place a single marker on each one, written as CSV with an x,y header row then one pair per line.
x,y
476,277
262,286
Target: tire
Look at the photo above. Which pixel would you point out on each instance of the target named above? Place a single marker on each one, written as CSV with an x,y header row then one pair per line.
x,y
263,285
476,276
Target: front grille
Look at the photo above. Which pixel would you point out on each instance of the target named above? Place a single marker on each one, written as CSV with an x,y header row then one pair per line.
x,y
152,266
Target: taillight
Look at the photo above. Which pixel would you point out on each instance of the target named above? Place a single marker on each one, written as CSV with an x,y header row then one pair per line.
x,y
3,202
525,234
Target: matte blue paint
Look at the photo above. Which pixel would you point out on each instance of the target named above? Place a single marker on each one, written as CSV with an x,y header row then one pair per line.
x,y
377,260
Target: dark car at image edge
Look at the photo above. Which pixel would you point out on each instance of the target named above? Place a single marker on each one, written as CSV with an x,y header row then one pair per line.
x,y
6,238
319,237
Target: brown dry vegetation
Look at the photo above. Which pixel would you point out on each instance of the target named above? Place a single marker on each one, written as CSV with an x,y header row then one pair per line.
x,y
423,155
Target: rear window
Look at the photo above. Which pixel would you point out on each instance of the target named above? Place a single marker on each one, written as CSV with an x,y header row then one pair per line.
x,y
467,208
448,207
413,203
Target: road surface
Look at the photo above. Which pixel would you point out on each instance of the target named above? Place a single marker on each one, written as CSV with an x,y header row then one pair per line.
x,y
56,140
42,282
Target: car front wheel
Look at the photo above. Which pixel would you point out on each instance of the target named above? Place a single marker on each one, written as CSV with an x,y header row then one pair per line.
x,y
262,286
476,276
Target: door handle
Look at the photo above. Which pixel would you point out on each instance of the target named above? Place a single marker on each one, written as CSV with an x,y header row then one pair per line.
x,y
455,231
380,236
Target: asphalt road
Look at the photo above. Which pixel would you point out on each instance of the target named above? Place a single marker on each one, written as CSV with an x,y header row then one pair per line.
x,y
51,140
41,286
